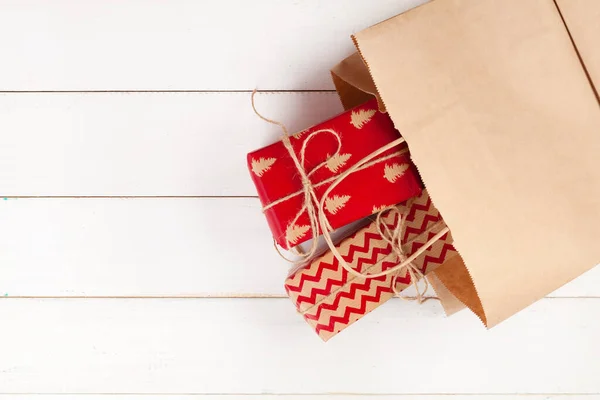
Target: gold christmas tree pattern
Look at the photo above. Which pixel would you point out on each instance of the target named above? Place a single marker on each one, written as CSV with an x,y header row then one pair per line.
x,y
335,203
337,161
361,117
262,165
298,135
377,209
294,232
394,171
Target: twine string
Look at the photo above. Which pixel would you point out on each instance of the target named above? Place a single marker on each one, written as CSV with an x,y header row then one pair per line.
x,y
333,178
391,257
310,197
394,239
315,209
327,232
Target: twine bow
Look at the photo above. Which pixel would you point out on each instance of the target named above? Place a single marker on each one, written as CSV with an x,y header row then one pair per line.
x,y
311,201
315,208
394,239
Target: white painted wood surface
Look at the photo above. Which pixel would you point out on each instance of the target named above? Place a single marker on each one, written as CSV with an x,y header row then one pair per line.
x,y
255,346
303,396
150,247
123,133
142,144
187,45
333,396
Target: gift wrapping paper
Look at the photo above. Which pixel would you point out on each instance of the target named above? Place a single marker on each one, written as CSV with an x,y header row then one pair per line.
x,y
362,130
331,299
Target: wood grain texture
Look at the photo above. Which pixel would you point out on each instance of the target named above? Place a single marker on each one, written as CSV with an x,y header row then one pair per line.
x,y
143,144
255,346
180,44
150,247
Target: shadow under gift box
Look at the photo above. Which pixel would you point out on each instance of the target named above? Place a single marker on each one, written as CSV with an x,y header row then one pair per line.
x,y
331,299
391,179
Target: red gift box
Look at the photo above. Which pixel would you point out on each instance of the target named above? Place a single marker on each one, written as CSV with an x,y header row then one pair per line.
x,y
331,299
389,179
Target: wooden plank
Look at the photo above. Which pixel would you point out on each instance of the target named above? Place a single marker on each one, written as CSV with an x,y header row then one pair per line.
x,y
142,144
180,45
231,346
149,247
136,247
297,397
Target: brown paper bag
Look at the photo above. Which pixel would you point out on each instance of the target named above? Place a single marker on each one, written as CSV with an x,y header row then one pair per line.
x,y
355,86
504,126
353,82
581,18
449,302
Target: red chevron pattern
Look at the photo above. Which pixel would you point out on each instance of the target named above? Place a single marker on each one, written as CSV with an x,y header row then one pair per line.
x,y
358,311
364,286
296,285
331,299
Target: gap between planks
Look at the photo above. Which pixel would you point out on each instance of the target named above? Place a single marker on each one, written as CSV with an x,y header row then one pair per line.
x,y
546,396
177,297
216,296
6,197
262,91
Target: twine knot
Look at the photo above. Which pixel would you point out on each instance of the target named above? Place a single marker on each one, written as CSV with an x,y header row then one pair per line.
x,y
311,200
394,238
315,209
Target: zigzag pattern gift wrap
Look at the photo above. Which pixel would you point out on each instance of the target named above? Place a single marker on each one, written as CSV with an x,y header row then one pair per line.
x,y
330,298
389,179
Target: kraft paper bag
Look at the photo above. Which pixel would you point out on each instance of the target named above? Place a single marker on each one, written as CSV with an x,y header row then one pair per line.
x,y
449,302
353,82
504,126
354,87
582,19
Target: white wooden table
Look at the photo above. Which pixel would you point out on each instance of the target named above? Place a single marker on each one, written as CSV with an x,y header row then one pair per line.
x,y
123,132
